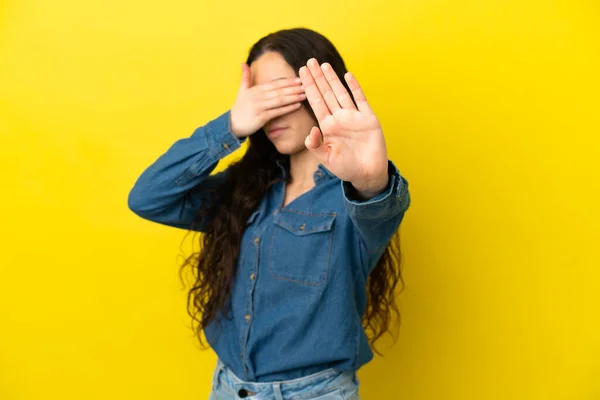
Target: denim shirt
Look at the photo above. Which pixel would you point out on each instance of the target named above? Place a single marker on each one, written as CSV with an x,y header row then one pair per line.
x,y
300,290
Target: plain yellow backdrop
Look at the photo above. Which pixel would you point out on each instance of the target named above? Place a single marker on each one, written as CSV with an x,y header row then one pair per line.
x,y
491,110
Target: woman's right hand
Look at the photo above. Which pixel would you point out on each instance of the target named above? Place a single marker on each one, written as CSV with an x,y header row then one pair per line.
x,y
257,105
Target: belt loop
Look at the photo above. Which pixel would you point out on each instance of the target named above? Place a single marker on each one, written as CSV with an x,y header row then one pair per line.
x,y
277,391
217,374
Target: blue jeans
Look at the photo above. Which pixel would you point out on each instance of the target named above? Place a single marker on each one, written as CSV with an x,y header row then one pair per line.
x,y
329,384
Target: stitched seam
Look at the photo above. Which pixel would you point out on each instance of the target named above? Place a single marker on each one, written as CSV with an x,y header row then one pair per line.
x,y
220,385
359,330
184,177
337,390
303,232
321,228
308,214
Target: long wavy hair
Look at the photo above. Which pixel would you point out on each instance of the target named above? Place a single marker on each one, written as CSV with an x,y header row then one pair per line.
x,y
214,266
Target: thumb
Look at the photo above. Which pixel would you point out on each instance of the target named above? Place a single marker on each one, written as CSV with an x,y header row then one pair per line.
x,y
245,84
316,146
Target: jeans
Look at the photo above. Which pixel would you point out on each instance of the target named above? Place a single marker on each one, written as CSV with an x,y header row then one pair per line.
x,y
329,384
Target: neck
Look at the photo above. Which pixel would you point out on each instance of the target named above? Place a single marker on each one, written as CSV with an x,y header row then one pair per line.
x,y
302,167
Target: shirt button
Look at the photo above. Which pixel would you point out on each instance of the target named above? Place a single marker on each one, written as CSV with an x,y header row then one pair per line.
x,y
252,276
302,227
256,240
247,317
319,173
225,146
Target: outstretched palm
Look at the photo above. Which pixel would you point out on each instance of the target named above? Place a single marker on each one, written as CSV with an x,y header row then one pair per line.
x,y
352,145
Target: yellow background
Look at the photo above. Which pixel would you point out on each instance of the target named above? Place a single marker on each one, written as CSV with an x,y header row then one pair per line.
x,y
490,108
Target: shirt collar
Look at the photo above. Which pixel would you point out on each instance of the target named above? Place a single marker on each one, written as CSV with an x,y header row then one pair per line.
x,y
323,173
320,174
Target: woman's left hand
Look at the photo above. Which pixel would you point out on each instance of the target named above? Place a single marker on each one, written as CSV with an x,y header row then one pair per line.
x,y
352,145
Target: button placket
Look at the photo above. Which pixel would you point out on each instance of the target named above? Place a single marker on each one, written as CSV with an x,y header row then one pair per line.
x,y
248,315
252,284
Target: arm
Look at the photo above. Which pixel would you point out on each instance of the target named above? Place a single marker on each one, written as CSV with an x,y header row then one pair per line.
x,y
378,218
175,187
349,142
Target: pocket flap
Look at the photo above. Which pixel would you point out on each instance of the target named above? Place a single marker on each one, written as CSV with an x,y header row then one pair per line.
x,y
304,223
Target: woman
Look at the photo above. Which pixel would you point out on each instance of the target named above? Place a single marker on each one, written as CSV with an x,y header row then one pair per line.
x,y
292,231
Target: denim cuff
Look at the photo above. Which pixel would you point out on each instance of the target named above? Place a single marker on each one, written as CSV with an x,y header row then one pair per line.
x,y
381,205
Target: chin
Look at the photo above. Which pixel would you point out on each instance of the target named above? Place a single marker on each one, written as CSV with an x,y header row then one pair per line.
x,y
289,149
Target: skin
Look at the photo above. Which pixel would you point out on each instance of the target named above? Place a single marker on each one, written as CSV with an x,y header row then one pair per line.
x,y
347,139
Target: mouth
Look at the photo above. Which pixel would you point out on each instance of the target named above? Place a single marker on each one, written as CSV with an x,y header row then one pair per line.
x,y
275,131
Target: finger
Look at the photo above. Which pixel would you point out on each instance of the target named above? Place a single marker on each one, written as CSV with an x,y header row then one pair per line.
x,y
313,95
278,112
357,92
342,95
296,89
281,101
316,146
323,85
280,83
245,84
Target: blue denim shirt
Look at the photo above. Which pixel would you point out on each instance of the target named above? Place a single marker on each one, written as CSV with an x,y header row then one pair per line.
x,y
300,291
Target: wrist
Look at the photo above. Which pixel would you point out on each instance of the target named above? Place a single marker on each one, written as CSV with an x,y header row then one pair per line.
x,y
234,128
371,188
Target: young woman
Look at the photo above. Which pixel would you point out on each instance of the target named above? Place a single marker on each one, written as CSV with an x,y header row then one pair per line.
x,y
296,274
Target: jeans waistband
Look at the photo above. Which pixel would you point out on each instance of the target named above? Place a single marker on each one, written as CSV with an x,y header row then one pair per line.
x,y
305,387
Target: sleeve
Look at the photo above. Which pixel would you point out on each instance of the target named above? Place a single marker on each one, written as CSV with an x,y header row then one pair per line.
x,y
378,218
173,189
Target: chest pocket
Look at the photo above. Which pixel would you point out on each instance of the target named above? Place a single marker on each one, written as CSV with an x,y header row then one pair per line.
x,y
301,247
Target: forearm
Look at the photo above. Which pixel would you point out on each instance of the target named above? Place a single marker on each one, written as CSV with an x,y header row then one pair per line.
x,y
163,191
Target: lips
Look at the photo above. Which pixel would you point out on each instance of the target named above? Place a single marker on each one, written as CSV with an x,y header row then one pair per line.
x,y
276,131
